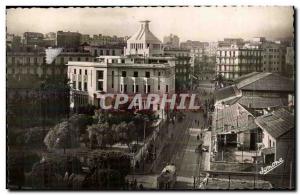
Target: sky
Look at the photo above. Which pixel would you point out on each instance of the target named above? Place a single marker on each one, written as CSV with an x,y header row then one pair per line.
x,y
189,23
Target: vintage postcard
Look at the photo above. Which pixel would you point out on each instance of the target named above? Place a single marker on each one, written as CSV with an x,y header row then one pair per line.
x,y
150,98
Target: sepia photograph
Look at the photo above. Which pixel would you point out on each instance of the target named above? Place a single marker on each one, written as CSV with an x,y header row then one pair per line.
x,y
157,98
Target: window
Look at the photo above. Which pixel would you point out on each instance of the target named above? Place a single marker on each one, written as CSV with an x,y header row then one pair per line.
x,y
147,74
91,78
107,52
148,89
85,86
113,52
79,71
70,59
95,52
87,59
101,52
158,87
121,88
99,74
74,85
112,79
136,89
269,143
123,73
74,71
167,88
79,59
100,85
125,88
35,61
79,85
85,72
135,74
132,88
159,74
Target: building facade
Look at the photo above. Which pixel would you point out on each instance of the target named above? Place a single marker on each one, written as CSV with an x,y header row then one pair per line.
x,y
290,62
143,70
183,66
33,38
109,50
116,74
235,61
171,41
273,57
68,39
23,64
203,61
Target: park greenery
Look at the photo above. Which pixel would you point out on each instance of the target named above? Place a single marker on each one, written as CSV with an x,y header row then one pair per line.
x,y
47,167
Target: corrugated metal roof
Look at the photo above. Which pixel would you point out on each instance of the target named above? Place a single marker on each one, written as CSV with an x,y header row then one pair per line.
x,y
235,117
226,92
266,82
262,102
276,123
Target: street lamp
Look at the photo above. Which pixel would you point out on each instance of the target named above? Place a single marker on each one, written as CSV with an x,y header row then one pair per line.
x,y
143,157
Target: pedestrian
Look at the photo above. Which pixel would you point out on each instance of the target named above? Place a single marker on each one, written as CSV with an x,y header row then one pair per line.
x,y
137,165
141,186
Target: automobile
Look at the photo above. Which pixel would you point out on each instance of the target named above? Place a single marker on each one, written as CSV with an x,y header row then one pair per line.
x,y
200,148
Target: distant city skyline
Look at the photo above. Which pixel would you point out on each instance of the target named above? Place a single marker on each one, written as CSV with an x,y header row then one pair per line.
x,y
188,23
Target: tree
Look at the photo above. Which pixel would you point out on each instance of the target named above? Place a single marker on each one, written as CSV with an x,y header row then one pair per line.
x,y
125,132
34,137
62,136
101,132
67,133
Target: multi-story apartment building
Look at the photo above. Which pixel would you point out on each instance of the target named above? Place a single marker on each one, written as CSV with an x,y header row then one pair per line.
x,y
290,62
100,40
203,61
12,42
69,40
33,38
235,61
108,50
227,42
183,67
193,44
171,41
22,64
273,57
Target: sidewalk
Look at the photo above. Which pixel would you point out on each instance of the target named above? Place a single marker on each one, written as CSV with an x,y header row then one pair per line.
x,y
206,155
160,138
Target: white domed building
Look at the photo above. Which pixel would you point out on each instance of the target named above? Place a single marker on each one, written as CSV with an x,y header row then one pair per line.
x,y
144,43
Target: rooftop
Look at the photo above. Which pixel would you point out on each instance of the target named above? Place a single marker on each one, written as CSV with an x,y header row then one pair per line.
x,y
226,92
277,123
265,81
234,118
144,34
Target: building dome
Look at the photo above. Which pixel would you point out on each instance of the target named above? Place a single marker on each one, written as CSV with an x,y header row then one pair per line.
x,y
144,42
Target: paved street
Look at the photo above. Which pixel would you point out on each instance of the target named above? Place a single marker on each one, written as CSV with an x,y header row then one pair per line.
x,y
180,148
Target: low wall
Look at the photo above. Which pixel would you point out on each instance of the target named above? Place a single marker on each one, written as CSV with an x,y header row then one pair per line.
x,y
235,167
